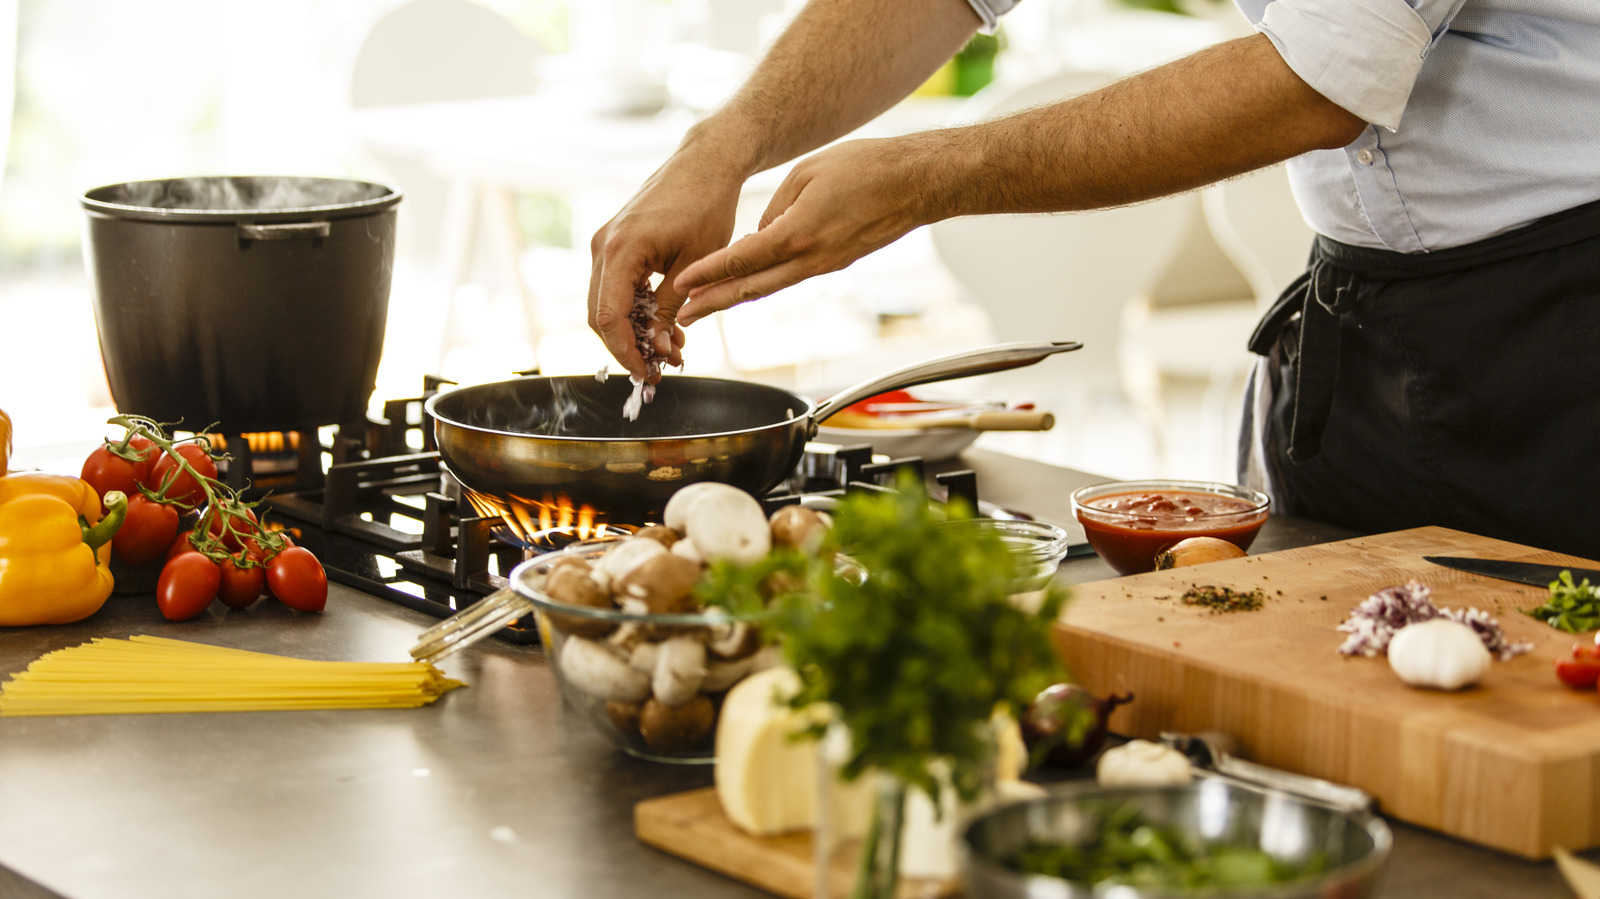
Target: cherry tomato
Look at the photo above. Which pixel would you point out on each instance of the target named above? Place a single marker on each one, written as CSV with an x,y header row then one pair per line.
x,y
241,587
296,578
233,527
105,471
1581,670
184,488
147,532
188,583
141,443
180,544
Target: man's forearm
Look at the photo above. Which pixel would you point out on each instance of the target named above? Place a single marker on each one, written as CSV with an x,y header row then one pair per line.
x,y
1221,112
838,65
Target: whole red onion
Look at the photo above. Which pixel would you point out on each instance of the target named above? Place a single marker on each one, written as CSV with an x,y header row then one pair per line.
x,y
1065,725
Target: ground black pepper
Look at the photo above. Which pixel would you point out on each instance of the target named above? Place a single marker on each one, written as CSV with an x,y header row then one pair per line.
x,y
1224,599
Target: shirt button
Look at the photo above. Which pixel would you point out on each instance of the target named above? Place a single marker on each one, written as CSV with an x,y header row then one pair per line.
x,y
1364,157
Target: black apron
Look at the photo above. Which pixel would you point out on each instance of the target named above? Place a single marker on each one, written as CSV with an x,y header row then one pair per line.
x,y
1457,388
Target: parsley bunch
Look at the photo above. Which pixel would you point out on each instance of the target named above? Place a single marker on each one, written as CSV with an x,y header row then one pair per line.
x,y
917,656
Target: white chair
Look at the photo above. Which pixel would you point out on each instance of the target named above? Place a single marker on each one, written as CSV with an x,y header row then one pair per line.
x,y
432,51
1064,276
1255,223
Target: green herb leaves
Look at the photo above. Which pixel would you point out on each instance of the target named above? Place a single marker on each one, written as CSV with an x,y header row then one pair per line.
x,y
1573,608
917,655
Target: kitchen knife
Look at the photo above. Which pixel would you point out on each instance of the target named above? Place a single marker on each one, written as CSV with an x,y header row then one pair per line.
x,y
1521,572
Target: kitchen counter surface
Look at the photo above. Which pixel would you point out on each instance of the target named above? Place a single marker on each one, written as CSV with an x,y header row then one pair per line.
x,y
495,790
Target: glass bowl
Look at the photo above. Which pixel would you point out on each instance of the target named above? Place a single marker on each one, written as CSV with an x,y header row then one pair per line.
x,y
1293,833
602,659
1130,522
1038,547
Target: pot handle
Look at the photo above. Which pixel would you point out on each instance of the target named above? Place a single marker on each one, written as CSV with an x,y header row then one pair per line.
x,y
944,368
285,231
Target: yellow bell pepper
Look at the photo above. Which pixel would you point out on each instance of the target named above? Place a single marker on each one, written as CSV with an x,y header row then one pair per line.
x,y
52,569
5,441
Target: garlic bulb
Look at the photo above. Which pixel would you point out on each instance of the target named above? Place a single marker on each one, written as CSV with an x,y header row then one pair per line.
x,y
1440,653
1141,763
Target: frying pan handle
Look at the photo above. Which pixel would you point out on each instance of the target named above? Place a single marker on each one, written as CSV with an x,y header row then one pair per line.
x,y
960,365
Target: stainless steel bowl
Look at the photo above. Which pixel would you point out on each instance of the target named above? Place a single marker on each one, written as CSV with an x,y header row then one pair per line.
x,y
1286,828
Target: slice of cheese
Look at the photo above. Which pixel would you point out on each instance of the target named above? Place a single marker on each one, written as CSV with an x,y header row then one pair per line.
x,y
766,781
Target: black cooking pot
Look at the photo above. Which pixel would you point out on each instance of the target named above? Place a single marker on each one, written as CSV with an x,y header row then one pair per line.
x,y
257,303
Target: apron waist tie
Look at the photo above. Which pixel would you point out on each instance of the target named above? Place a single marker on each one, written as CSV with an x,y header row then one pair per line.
x,y
1319,297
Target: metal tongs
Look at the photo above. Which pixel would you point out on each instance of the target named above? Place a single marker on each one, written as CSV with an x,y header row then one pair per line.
x,y
1206,754
470,625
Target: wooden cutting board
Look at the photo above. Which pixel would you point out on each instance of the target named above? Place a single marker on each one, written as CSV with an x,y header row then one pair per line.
x,y
692,826
1513,763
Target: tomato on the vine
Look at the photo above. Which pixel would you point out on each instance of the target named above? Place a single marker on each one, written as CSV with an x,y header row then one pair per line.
x,y
188,583
147,532
180,544
183,487
143,445
234,528
296,578
105,471
241,587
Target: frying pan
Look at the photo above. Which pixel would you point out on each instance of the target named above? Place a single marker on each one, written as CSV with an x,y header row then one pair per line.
x,y
533,441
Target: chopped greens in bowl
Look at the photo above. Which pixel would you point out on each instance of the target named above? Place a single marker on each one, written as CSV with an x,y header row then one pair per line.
x,y
1208,839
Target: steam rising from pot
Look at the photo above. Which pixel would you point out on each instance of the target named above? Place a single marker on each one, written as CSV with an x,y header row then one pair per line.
x,y
241,194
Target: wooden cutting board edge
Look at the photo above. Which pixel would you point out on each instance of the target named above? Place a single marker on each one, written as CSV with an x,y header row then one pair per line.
x,y
692,826
1425,767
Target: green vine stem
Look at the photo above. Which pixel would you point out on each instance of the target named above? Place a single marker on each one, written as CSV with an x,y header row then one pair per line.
x,y
220,499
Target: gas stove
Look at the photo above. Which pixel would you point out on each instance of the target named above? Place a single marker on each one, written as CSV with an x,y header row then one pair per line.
x,y
384,517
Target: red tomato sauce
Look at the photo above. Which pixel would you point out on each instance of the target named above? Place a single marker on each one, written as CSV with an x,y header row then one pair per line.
x,y
1137,526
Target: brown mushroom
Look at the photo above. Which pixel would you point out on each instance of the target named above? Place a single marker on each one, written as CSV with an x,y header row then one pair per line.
x,y
799,528
663,535
574,585
624,716
664,582
676,728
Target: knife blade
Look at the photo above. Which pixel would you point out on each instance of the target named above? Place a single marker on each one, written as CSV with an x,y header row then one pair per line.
x,y
1522,572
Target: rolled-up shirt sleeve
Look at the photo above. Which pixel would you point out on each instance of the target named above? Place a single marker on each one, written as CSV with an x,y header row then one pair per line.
x,y
990,12
1363,55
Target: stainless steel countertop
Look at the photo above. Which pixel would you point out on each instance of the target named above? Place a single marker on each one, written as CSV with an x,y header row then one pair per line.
x,y
495,790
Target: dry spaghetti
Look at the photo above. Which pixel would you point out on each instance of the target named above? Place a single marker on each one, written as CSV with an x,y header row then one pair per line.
x,y
155,674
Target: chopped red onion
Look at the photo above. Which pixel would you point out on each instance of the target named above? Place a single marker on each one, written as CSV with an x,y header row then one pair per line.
x,y
1373,623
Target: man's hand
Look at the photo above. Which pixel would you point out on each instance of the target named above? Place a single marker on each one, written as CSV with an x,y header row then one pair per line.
x,y
683,212
832,209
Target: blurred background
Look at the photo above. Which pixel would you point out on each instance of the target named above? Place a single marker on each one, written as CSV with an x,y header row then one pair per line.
x,y
515,128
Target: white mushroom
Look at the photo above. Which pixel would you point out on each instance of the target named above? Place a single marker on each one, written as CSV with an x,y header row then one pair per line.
x,y
733,640
596,670
687,550
724,673
680,667
676,513
728,524
628,635
644,657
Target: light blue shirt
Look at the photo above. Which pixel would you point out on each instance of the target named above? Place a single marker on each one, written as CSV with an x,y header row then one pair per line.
x,y
1485,114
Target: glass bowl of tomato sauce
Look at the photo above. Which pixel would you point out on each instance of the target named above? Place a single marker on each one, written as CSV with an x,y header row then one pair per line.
x,y
1129,523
